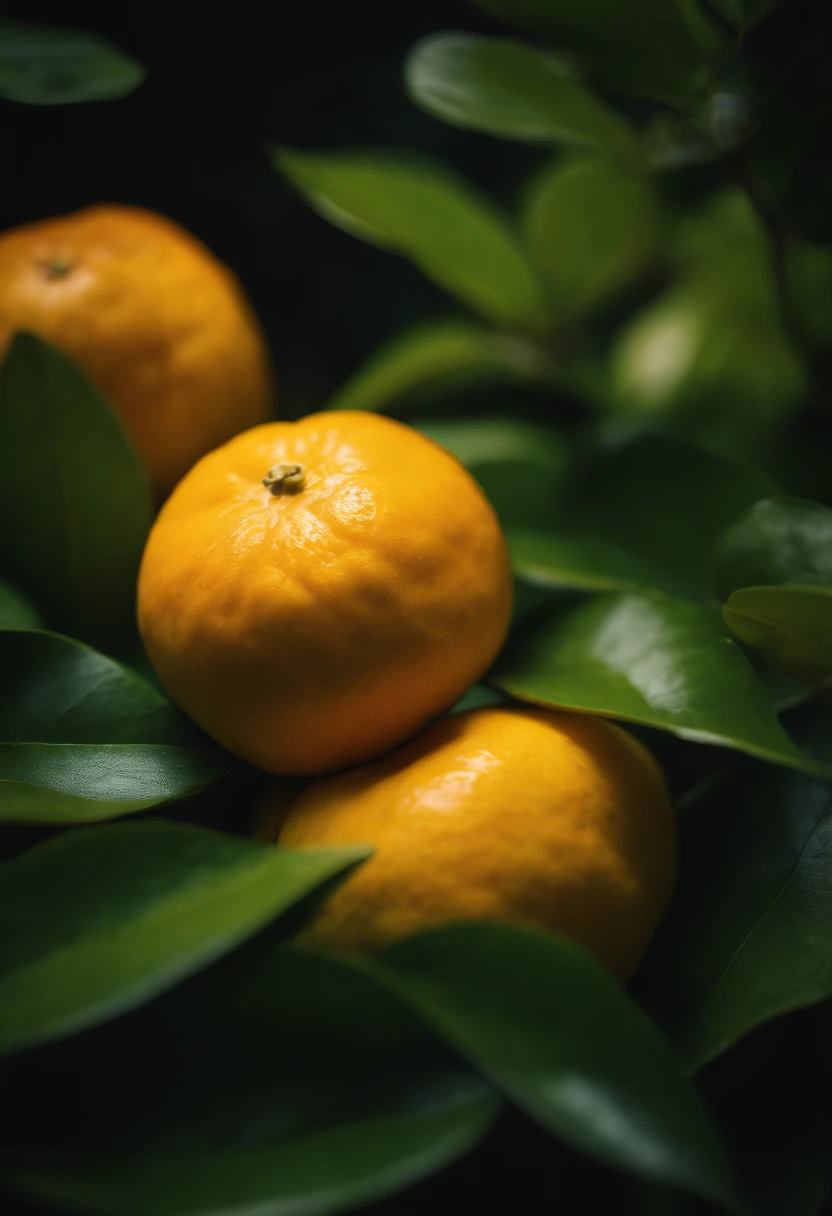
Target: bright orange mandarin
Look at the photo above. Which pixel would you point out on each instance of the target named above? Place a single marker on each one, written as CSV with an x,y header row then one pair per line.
x,y
160,326
318,627
526,815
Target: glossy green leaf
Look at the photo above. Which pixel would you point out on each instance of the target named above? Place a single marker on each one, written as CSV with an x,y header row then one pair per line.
x,y
591,230
624,510
518,464
45,65
749,933
99,921
67,783
778,541
16,612
510,89
424,211
84,738
259,1106
653,659
549,1027
663,49
69,473
438,355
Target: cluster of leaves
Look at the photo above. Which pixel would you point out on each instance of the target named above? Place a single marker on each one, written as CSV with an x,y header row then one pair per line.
x,y
185,1058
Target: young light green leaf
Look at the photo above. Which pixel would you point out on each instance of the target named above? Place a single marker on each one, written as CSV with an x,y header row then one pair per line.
x,y
425,212
439,355
591,229
518,464
69,474
84,738
16,612
653,659
97,922
666,50
623,511
46,65
549,1027
749,932
506,88
259,1106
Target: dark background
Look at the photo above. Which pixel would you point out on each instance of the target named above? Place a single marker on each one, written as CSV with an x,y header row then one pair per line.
x,y
193,143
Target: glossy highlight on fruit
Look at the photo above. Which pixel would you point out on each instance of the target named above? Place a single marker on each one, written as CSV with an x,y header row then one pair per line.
x,y
515,814
161,327
314,593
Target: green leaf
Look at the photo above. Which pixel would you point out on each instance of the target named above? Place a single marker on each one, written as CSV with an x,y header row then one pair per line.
x,y
47,65
425,212
258,1106
509,89
623,511
778,541
723,377
439,355
790,626
749,932
652,659
69,474
84,738
98,922
591,230
549,1027
518,464
15,610
744,13
774,567
666,50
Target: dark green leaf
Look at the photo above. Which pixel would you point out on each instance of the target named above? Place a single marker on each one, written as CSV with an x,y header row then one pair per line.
x,y
663,49
506,88
84,738
652,659
749,933
45,65
774,567
99,921
425,212
550,1028
69,473
15,610
623,512
744,13
591,229
258,1106
56,690
65,783
778,541
518,464
438,354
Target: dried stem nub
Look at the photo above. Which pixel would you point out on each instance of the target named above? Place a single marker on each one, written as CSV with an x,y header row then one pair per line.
x,y
280,477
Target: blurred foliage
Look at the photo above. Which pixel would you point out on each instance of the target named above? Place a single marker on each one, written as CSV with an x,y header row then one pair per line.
x,y
610,297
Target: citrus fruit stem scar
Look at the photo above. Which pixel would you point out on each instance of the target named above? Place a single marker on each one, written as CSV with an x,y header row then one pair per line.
x,y
282,477
58,267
